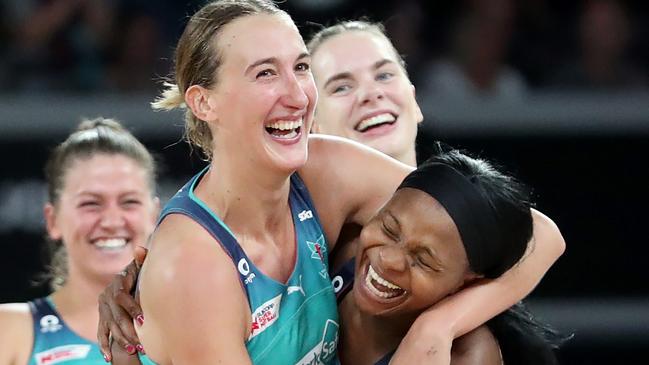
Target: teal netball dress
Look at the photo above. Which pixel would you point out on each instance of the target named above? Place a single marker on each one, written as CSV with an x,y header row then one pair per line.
x,y
294,322
55,342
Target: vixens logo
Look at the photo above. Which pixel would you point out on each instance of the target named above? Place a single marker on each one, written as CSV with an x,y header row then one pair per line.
x,y
319,252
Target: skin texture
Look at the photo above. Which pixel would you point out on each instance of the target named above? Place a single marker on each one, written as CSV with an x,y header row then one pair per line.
x,y
359,181
359,76
103,197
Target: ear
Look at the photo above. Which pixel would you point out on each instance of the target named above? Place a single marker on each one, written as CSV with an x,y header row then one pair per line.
x,y
419,115
198,100
49,211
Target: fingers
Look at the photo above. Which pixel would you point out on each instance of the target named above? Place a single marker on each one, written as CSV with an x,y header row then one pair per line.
x,y
139,254
103,329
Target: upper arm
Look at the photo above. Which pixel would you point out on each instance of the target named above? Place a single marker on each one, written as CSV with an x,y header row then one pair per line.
x,y
16,337
192,300
348,182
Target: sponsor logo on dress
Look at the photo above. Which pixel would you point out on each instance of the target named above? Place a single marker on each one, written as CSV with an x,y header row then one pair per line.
x,y
304,215
61,354
296,288
50,323
325,350
264,316
244,269
337,282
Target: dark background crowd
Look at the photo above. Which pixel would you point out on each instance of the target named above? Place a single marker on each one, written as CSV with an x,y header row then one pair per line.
x,y
556,91
501,47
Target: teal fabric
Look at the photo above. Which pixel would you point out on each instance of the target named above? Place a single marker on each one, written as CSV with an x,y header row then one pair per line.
x,y
294,322
55,342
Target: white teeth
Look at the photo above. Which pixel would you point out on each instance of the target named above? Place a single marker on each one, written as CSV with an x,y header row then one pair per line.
x,y
111,243
380,280
286,125
372,275
378,119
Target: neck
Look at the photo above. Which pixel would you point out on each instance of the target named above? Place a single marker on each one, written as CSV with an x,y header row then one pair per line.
x,y
409,157
76,302
377,336
249,202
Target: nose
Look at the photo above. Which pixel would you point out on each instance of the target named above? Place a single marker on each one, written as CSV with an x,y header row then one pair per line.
x,y
370,94
392,258
295,95
112,217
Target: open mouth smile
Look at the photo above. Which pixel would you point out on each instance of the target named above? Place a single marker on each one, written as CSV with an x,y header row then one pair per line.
x,y
285,129
376,121
381,287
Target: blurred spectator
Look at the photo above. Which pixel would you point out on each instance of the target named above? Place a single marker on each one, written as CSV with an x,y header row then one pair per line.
x,y
603,64
134,63
475,69
57,44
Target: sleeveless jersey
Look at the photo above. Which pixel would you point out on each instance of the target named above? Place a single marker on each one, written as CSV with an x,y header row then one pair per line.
x,y
292,323
55,342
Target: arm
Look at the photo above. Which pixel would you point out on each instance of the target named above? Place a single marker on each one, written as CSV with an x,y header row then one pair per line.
x,y
190,294
349,182
454,316
118,308
17,335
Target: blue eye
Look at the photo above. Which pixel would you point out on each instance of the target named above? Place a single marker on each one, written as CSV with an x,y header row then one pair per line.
x,y
341,88
384,76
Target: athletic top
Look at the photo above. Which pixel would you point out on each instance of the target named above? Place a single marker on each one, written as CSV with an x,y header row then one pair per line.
x,y
292,323
343,282
55,342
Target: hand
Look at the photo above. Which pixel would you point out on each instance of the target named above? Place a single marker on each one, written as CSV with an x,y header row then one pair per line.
x,y
118,307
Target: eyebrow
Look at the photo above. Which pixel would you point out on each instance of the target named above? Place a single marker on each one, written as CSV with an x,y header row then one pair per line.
x,y
273,60
348,75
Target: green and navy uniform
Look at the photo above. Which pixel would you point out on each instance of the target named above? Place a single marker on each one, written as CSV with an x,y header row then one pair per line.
x,y
55,342
294,322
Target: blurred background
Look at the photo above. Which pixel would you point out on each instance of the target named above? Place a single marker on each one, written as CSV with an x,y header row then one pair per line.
x,y
555,91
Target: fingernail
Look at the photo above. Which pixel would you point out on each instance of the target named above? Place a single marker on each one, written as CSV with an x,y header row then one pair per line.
x,y
106,357
140,319
130,349
140,348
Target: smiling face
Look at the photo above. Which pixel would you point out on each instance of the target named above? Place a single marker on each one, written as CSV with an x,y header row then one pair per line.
x,y
410,256
105,208
264,97
365,94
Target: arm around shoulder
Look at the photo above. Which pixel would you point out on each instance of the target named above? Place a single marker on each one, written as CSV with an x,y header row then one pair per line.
x,y
462,312
191,295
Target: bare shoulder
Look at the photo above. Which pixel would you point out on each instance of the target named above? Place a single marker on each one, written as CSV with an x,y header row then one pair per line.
x,y
17,334
478,347
189,292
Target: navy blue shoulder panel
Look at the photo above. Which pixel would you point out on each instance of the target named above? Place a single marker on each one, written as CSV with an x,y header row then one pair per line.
x,y
343,280
40,308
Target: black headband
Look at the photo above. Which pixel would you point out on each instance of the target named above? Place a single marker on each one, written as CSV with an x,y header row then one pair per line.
x,y
465,203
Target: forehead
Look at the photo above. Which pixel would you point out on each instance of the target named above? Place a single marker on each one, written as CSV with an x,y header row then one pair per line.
x,y
260,36
425,221
350,51
105,172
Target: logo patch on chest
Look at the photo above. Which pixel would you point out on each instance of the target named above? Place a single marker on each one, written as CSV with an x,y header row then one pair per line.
x,y
264,316
61,354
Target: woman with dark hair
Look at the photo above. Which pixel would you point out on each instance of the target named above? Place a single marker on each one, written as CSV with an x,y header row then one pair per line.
x,y
101,204
253,231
